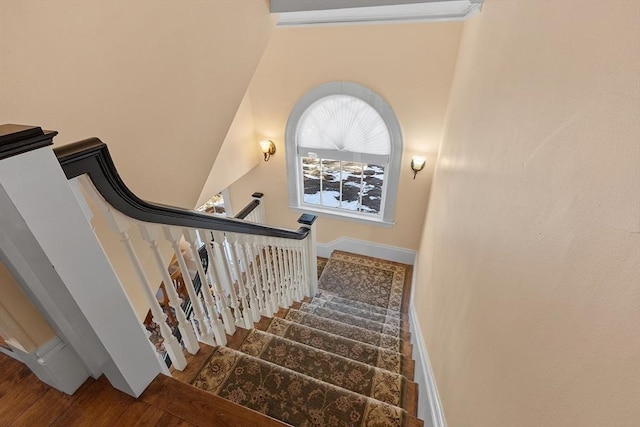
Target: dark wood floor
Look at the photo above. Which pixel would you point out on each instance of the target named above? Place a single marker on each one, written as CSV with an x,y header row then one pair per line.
x,y
26,401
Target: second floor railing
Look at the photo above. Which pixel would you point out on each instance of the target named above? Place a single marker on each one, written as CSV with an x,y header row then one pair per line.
x,y
252,269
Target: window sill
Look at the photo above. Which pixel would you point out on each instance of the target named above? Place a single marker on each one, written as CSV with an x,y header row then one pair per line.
x,y
323,213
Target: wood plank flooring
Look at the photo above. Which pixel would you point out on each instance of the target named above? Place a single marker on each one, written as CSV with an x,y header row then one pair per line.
x,y
26,401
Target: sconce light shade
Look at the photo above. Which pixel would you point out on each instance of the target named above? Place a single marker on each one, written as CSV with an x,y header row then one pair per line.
x,y
268,148
417,164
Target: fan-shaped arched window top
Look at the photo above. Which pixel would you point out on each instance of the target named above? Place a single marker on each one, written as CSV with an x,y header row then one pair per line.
x,y
344,147
343,123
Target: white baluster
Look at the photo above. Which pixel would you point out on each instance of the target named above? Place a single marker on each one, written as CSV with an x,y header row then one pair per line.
x,y
300,268
311,258
251,279
265,263
227,264
287,282
213,306
242,290
171,343
287,272
293,271
149,233
218,274
252,255
283,277
173,235
120,225
165,369
264,280
277,273
305,267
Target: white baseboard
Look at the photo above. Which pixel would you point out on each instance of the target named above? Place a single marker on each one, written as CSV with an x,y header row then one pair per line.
x,y
55,364
429,407
363,247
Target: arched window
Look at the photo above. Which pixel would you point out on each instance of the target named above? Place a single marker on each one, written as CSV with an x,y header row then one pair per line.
x,y
344,147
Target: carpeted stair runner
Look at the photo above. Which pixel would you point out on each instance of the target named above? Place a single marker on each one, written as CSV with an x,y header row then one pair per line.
x,y
365,314
387,342
336,360
350,319
328,367
345,347
289,396
329,296
367,280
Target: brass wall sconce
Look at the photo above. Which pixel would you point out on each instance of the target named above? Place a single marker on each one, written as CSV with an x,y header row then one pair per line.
x,y
268,148
417,164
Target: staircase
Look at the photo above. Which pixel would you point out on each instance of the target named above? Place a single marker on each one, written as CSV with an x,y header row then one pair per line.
x,y
248,320
340,358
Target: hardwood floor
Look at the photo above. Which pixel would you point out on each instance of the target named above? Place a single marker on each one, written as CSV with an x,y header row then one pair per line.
x,y
26,401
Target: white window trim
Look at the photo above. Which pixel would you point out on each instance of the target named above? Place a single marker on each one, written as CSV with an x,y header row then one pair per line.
x,y
395,156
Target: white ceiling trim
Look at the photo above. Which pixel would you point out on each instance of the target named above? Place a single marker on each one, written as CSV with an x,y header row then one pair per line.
x,y
444,10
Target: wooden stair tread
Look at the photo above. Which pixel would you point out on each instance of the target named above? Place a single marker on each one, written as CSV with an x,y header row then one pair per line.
x,y
200,408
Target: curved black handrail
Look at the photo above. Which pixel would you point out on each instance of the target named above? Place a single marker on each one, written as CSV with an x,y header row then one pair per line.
x,y
91,156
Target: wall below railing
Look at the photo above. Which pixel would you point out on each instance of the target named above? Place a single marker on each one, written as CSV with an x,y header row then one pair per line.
x,y
372,249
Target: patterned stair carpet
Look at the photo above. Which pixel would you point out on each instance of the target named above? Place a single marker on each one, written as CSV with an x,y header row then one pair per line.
x,y
335,360
353,349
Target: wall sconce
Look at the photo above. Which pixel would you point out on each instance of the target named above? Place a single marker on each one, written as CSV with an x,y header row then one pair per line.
x,y
268,148
417,164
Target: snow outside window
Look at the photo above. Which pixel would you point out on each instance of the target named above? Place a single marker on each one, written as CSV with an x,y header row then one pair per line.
x,y
343,151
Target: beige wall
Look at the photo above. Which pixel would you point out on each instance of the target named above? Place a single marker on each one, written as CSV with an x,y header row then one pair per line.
x,y
21,325
410,66
160,82
237,156
529,269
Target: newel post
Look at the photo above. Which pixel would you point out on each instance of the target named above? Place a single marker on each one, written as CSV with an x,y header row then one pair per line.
x,y
48,242
261,216
311,259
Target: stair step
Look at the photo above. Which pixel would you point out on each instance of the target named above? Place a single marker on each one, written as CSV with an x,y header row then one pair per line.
x,y
350,319
200,408
329,296
289,396
327,360
355,376
387,342
354,311
371,280
336,344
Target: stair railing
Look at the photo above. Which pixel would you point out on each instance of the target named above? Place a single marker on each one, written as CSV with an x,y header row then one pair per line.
x,y
252,268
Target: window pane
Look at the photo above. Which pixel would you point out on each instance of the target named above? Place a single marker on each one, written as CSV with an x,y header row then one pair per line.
x,y
372,189
214,205
330,183
311,180
351,185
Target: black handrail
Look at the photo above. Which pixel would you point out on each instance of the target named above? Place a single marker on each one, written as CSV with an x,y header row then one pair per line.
x,y
248,209
251,206
91,156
